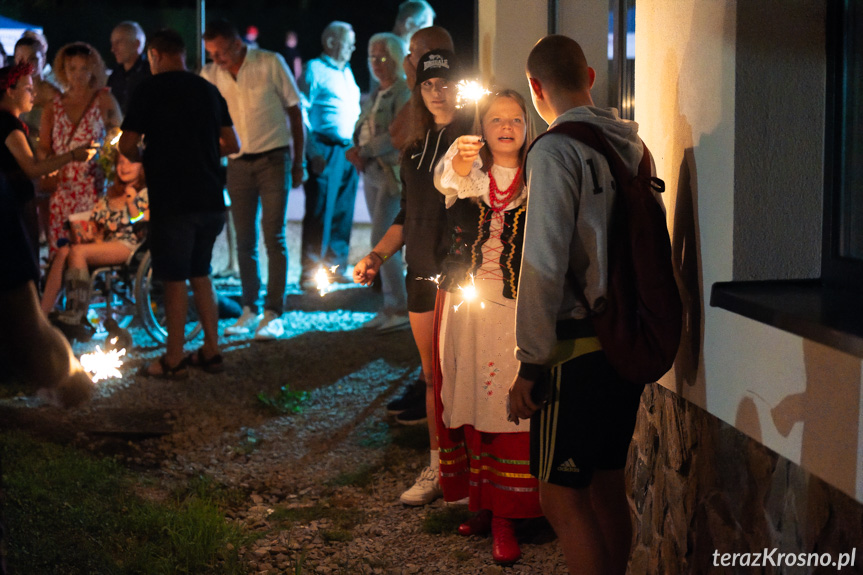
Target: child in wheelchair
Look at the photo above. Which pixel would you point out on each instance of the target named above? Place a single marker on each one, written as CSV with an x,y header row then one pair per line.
x,y
109,237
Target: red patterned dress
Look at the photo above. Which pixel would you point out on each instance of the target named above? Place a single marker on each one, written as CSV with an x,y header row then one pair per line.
x,y
482,455
79,183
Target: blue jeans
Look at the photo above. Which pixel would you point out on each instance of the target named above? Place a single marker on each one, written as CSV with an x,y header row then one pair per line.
x,y
329,217
383,198
261,182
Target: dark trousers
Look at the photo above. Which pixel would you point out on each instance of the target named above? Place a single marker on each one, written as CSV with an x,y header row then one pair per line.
x,y
329,217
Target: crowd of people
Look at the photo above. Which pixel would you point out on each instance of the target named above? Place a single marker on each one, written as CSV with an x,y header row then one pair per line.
x,y
491,251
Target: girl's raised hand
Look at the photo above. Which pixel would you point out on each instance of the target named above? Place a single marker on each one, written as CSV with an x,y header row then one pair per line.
x,y
468,149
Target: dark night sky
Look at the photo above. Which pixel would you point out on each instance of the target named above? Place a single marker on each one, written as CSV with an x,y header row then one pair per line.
x,y
92,20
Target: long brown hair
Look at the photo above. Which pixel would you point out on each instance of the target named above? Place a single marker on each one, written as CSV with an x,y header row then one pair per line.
x,y
422,120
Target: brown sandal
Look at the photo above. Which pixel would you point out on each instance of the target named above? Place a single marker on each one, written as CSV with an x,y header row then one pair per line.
x,y
213,364
178,372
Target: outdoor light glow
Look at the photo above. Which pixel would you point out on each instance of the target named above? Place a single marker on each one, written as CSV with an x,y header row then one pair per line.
x,y
469,91
322,279
103,364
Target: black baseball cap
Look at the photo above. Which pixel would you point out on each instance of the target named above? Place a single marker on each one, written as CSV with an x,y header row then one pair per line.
x,y
436,64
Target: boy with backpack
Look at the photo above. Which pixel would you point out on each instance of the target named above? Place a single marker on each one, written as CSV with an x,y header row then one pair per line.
x,y
582,411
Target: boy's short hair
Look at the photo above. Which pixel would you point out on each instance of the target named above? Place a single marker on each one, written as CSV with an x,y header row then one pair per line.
x,y
167,41
559,60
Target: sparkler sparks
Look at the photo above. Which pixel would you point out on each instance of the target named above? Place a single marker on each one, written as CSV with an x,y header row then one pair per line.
x,y
322,279
103,364
435,279
468,293
116,138
469,91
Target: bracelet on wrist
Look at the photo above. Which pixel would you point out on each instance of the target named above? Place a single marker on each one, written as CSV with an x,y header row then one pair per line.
x,y
381,257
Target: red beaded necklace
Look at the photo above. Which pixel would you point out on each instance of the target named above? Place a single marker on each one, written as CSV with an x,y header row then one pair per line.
x,y
500,200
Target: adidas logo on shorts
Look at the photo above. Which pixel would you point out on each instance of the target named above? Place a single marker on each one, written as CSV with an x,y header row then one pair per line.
x,y
569,466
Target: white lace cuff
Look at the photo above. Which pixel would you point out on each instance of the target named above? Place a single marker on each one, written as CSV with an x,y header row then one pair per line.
x,y
454,186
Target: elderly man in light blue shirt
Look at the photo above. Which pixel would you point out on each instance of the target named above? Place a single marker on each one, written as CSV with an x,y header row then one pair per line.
x,y
332,100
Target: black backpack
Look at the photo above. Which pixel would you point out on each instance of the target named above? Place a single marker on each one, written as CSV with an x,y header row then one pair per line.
x,y
639,327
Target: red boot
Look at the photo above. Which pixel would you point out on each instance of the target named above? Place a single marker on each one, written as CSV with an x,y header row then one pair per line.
x,y
479,524
504,547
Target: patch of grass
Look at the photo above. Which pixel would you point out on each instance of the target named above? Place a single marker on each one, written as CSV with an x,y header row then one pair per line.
x,y
446,519
342,516
286,400
362,477
64,508
206,489
330,535
461,555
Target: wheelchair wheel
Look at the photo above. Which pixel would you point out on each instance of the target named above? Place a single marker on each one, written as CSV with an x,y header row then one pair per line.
x,y
150,301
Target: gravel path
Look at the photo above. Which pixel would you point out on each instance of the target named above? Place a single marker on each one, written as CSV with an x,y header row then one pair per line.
x,y
319,488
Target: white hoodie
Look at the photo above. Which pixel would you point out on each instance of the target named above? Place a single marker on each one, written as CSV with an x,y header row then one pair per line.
x,y
570,199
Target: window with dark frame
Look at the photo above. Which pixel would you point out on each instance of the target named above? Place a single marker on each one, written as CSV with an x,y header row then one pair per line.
x,y
842,258
828,310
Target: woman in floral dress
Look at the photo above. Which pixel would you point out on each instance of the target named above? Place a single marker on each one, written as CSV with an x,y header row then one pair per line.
x,y
80,116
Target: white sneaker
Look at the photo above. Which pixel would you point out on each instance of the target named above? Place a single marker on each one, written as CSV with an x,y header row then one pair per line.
x,y
376,321
245,323
425,490
395,323
270,327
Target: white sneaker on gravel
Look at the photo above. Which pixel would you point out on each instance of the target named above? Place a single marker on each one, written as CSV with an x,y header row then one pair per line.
x,y
395,322
425,490
270,327
245,323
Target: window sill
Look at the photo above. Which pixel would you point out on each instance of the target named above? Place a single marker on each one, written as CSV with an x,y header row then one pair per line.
x,y
803,307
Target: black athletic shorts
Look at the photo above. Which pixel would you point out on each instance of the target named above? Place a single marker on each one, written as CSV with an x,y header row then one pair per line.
x,y
182,244
586,423
422,293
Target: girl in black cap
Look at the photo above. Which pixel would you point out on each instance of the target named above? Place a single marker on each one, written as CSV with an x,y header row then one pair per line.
x,y
421,227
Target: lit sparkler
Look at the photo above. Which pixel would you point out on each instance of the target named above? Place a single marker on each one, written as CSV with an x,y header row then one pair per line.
x,y
103,364
322,279
471,91
116,139
435,279
468,293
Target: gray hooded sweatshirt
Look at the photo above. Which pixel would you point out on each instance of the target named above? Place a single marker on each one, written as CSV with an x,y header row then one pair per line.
x,y
570,198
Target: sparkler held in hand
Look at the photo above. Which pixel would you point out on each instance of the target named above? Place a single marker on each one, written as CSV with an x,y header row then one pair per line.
x,y
471,91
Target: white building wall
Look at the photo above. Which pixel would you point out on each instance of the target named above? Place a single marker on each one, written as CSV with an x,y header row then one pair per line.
x,y
797,397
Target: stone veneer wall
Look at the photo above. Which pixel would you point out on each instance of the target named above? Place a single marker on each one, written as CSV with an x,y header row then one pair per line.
x,y
699,485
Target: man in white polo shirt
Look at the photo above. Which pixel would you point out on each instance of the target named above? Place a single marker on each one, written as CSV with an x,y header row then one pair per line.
x,y
263,101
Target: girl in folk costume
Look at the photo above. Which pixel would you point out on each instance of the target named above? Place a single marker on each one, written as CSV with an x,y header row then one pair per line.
x,y
482,455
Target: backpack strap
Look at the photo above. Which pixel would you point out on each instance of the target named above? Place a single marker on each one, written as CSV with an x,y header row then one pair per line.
x,y
591,135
